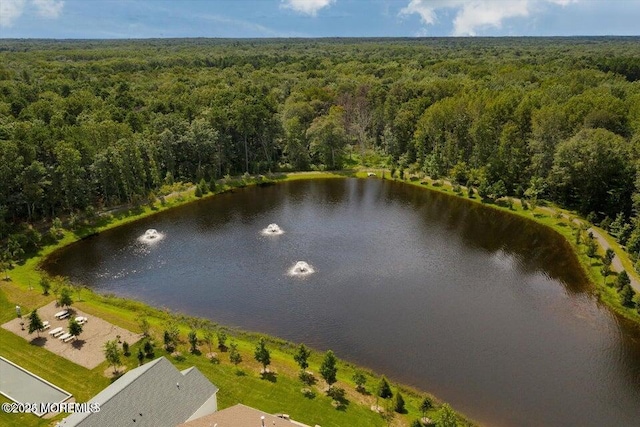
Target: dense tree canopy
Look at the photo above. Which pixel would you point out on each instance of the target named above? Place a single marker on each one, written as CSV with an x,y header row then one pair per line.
x,y
93,124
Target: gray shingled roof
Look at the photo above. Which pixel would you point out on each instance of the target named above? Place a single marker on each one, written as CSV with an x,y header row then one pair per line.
x,y
153,395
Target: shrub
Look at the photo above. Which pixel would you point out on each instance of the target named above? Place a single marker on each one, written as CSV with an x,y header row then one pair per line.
x,y
398,403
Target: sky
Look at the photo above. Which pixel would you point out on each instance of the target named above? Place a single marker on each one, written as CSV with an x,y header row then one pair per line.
x,y
100,19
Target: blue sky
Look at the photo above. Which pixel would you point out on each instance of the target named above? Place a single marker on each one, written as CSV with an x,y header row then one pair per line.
x,y
315,18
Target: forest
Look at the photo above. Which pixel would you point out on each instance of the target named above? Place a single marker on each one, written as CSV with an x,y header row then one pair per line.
x,y
88,125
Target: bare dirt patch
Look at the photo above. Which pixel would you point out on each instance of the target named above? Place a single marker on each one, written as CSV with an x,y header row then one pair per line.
x,y
87,350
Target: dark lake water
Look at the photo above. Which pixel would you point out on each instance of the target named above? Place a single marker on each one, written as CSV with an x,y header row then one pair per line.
x,y
486,310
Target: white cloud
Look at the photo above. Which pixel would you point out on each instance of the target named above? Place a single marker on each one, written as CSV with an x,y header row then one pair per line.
x,y
474,15
484,14
48,8
307,7
10,10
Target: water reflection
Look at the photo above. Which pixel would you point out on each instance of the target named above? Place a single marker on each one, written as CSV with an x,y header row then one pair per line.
x,y
487,310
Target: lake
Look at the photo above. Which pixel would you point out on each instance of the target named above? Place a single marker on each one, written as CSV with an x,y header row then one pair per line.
x,y
490,312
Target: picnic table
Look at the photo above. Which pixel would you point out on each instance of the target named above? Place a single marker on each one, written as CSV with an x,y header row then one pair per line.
x,y
55,331
60,314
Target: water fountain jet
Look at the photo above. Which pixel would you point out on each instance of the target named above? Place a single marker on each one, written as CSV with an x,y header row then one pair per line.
x,y
301,268
150,236
272,230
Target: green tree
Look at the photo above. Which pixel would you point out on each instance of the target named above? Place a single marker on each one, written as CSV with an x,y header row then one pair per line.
x,y
626,296
112,354
328,138
234,355
301,357
608,256
144,325
398,403
425,405
75,328
46,285
592,172
446,417
384,389
262,354
65,300
207,338
170,337
193,341
35,323
360,380
622,280
222,339
148,348
328,368
140,356
203,186
592,247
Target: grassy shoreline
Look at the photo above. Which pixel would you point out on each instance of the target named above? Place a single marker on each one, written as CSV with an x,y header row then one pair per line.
x,y
83,383
247,388
561,222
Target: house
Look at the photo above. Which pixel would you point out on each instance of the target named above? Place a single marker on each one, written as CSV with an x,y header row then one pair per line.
x,y
242,416
156,394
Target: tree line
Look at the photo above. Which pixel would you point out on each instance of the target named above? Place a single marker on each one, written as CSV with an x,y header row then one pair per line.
x,y
91,124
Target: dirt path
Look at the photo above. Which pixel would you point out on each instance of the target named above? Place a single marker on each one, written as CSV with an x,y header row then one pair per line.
x,y
616,264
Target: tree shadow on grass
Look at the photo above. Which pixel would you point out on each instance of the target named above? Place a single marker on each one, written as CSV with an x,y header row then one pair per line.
x,y
269,376
363,391
240,373
307,377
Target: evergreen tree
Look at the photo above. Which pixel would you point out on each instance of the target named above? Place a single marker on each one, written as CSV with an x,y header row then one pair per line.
x,y
140,356
35,323
425,405
148,349
398,403
170,337
203,186
626,296
384,389
622,280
